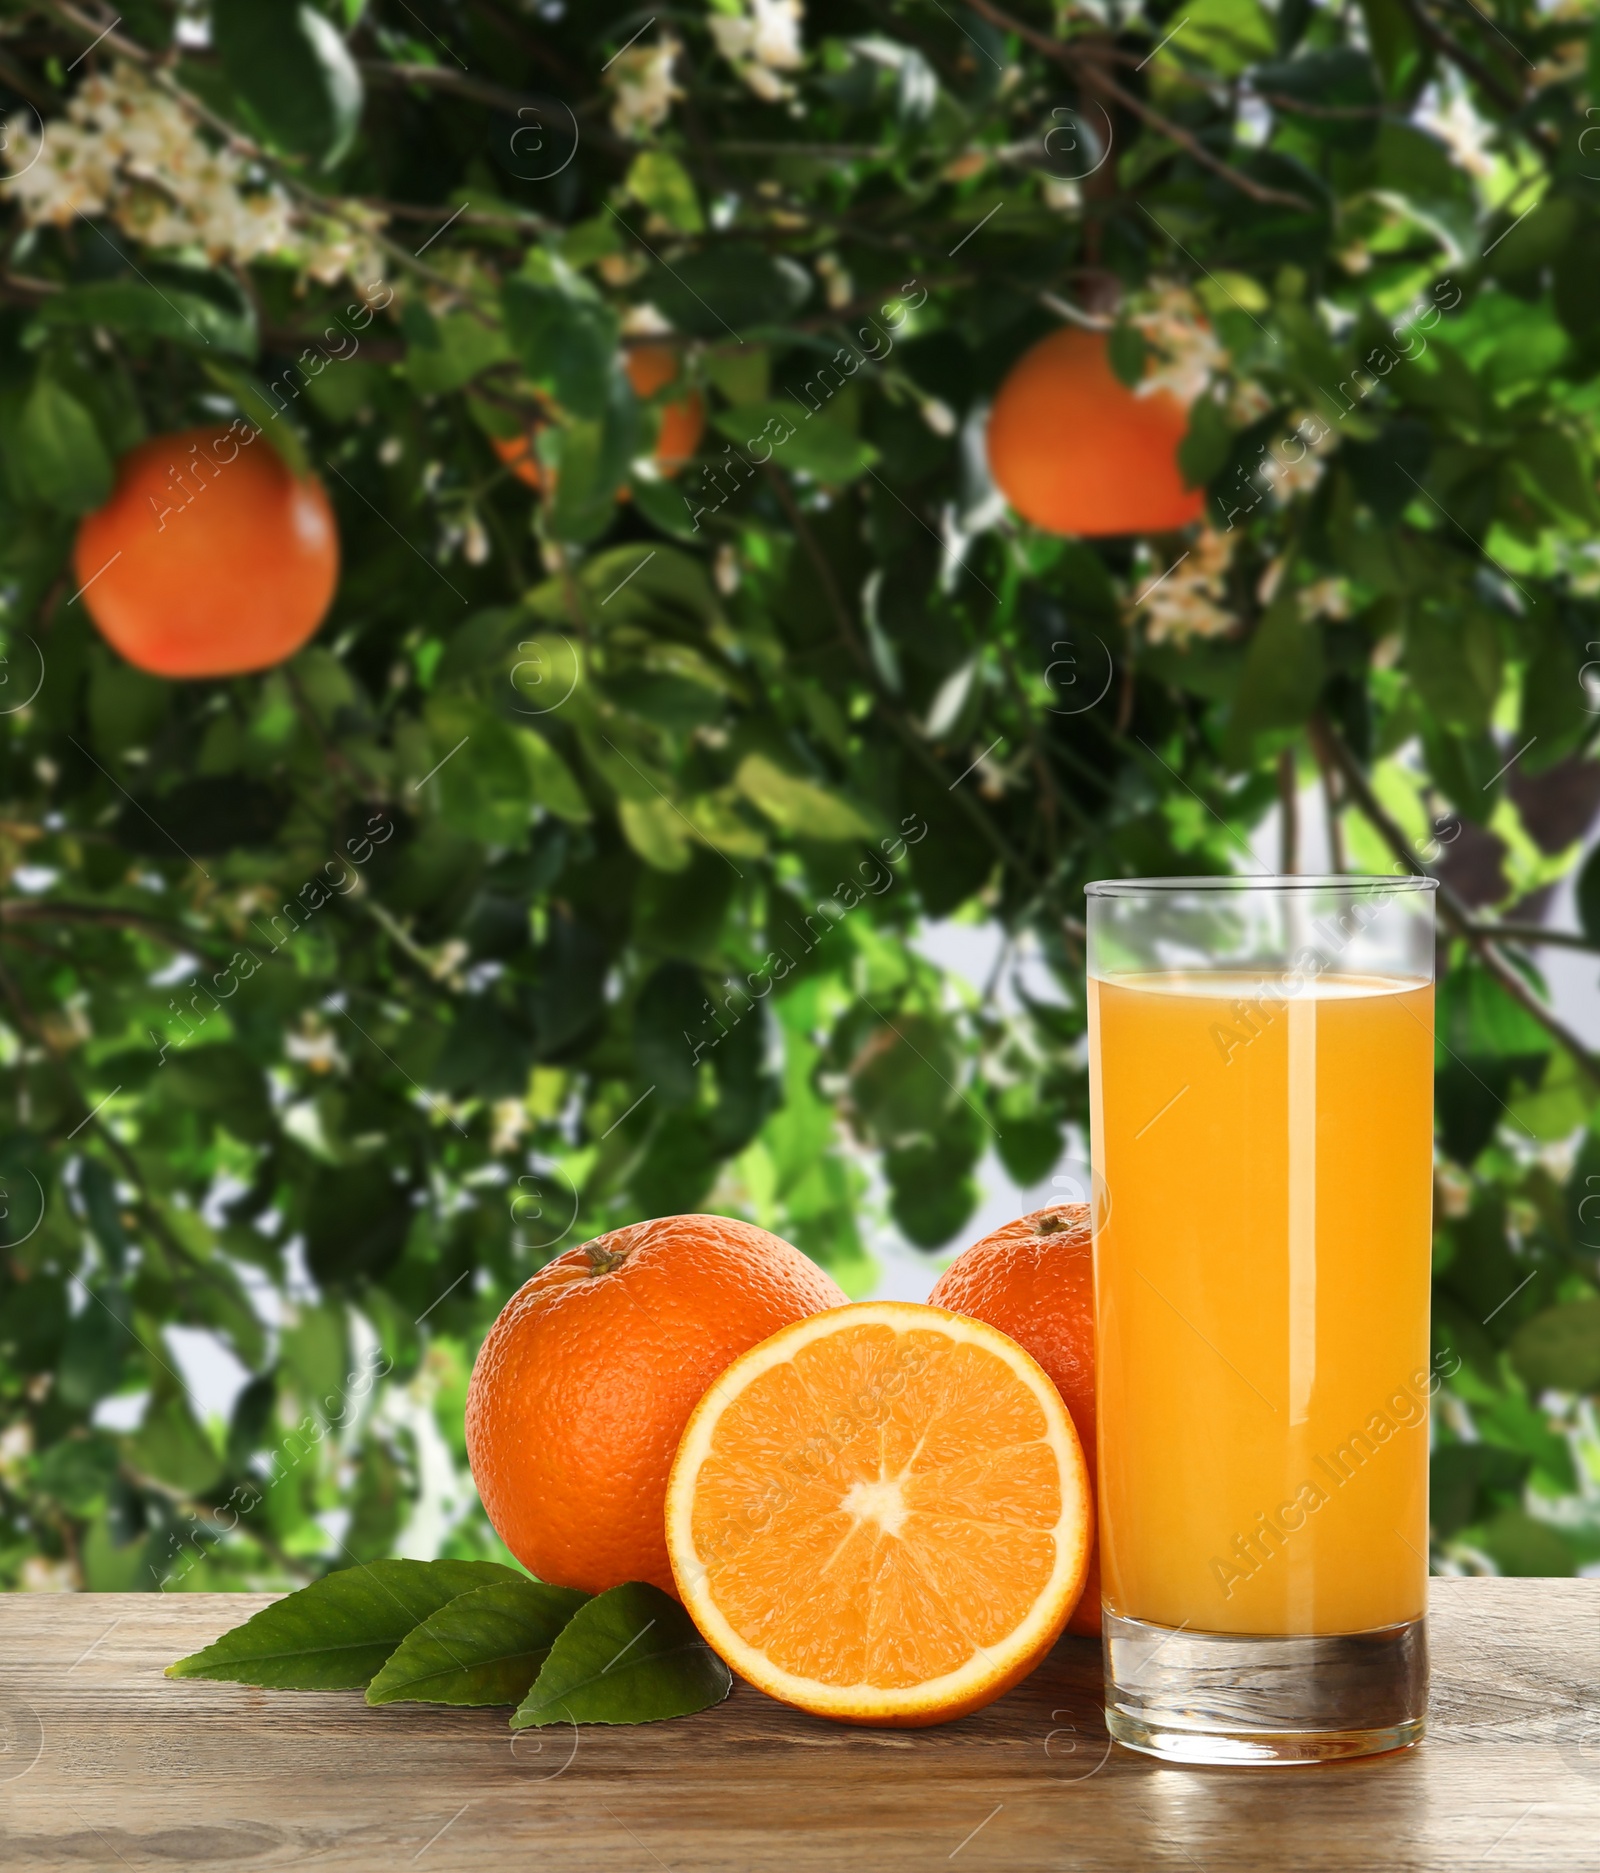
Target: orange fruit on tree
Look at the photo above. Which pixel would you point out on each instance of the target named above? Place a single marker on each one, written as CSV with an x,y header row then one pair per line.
x,y
519,455
583,1385
1074,450
1034,1279
881,1515
650,368
211,558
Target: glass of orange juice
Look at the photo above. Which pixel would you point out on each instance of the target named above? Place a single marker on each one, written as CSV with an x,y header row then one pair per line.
x,y
1261,1111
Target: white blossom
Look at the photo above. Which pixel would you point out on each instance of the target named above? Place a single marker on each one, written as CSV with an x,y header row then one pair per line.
x,y
1288,475
1324,598
1189,601
1186,353
1462,131
1246,402
345,248
447,960
643,87
760,41
510,1121
316,1047
1453,1189
16,1447
127,148
837,286
42,1575
646,320
621,270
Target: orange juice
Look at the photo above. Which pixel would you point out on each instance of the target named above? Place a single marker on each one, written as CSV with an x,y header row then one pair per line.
x,y
1262,1263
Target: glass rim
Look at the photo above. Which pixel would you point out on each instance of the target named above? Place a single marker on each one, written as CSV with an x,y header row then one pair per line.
x,y
1357,883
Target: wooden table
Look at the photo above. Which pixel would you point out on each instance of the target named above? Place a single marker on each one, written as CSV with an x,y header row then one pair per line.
x,y
107,1764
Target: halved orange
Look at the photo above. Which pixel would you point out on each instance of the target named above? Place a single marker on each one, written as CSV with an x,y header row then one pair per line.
x,y
881,1514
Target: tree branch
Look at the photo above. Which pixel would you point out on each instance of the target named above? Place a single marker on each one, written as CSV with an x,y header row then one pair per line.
x,y
1332,804
328,205
442,78
1473,66
1289,814
1482,938
1062,53
53,910
480,91
1533,936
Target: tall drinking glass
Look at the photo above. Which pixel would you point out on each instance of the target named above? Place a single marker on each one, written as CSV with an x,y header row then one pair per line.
x,y
1261,1105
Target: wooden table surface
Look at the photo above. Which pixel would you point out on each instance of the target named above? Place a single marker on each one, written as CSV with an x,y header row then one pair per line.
x,y
104,1763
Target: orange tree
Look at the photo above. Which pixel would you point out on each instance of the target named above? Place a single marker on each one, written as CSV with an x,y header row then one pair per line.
x,y
566,876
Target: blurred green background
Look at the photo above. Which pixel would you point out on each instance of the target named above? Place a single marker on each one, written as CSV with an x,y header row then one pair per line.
x,y
636,842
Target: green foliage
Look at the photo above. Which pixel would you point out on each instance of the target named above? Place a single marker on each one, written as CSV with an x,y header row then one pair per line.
x,y
483,1647
291,74
629,1656
473,1632
335,1634
60,450
1560,1348
569,875
198,311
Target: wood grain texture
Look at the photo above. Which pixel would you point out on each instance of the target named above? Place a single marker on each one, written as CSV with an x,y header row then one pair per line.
x,y
105,1764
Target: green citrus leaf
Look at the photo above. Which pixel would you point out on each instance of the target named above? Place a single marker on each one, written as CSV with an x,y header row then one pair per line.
x,y
483,1647
804,437
196,317
554,786
797,805
1282,674
293,72
656,832
630,1656
336,1633
725,290
1128,353
67,462
169,1445
481,784
660,183
566,337
1560,1348
257,407
465,347
1522,1545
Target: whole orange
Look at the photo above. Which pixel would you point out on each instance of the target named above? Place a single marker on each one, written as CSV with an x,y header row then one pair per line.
x,y
1034,1280
583,1385
211,557
1074,450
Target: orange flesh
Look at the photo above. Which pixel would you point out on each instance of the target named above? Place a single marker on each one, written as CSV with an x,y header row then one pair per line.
x,y
881,1508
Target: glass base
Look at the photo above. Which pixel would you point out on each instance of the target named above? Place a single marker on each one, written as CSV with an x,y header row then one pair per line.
x,y
1239,1698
